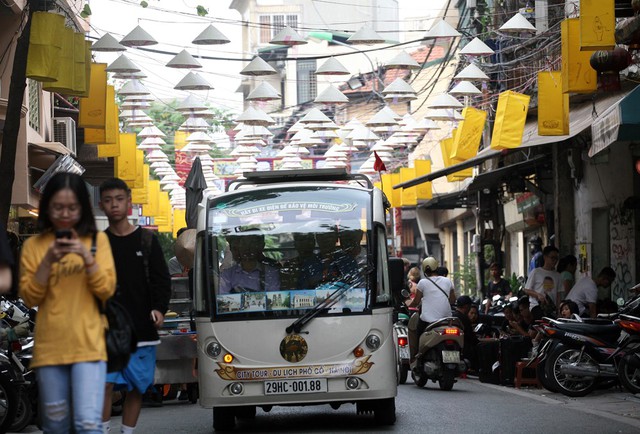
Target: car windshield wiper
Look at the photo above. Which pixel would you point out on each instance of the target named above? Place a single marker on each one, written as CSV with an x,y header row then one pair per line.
x,y
336,295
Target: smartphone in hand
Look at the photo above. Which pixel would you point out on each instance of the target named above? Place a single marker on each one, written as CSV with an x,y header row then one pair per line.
x,y
63,234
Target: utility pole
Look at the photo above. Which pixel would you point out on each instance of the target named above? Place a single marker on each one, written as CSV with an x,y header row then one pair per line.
x,y
12,120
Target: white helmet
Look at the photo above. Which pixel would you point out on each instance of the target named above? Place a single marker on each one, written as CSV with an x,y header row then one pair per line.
x,y
429,264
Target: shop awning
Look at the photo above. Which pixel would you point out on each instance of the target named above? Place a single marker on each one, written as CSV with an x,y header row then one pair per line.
x,y
581,117
51,147
513,172
619,123
453,200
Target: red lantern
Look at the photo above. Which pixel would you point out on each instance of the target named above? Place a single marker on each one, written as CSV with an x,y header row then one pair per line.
x,y
609,63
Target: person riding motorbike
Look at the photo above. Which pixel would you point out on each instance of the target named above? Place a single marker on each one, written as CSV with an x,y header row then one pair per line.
x,y
436,295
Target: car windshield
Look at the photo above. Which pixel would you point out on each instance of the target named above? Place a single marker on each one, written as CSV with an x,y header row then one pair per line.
x,y
280,252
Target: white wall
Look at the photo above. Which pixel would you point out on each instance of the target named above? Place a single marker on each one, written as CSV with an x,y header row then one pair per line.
x,y
607,185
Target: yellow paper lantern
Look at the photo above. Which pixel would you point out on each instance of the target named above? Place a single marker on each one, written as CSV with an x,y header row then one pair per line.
x,y
597,25
79,67
422,168
87,70
64,81
577,74
468,135
45,45
511,116
92,112
553,105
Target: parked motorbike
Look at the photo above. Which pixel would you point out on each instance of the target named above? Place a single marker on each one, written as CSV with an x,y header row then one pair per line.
x,y
11,380
439,356
628,353
17,346
581,354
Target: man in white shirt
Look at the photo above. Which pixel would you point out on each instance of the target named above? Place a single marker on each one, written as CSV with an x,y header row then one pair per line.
x,y
585,291
544,281
436,295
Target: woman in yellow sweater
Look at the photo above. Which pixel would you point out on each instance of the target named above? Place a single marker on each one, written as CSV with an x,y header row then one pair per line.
x,y
61,275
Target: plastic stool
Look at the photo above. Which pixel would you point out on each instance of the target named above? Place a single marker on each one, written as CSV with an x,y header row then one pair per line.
x,y
520,379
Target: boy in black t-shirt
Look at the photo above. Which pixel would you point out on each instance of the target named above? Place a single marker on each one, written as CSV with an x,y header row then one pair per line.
x,y
144,289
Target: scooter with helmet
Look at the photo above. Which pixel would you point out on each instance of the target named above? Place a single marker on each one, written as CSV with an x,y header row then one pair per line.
x,y
438,353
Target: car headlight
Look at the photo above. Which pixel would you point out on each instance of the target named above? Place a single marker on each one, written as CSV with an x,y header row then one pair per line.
x,y
373,342
213,349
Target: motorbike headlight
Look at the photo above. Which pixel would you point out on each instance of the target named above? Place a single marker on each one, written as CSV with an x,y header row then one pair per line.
x,y
373,342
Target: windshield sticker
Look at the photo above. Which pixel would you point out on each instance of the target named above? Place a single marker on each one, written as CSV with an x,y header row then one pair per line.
x,y
290,206
359,366
354,300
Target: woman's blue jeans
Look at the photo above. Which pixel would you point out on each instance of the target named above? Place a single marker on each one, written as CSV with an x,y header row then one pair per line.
x,y
82,384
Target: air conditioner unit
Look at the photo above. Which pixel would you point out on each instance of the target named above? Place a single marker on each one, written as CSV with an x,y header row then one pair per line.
x,y
64,131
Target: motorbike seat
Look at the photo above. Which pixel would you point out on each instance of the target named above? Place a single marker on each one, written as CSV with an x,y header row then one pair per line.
x,y
588,328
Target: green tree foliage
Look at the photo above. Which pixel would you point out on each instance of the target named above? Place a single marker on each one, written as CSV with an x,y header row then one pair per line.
x,y
465,275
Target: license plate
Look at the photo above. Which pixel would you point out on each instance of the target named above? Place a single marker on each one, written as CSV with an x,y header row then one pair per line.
x,y
306,385
404,353
450,356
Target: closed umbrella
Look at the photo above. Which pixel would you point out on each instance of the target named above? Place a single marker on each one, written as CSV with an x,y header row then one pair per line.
x,y
195,186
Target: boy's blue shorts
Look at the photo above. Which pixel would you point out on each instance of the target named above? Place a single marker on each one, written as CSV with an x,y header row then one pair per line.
x,y
139,372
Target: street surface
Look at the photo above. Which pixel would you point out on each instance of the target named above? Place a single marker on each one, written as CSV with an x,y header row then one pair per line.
x,y
471,407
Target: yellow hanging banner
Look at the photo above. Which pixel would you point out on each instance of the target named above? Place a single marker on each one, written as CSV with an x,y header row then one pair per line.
x,y
151,208
179,221
597,25
108,134
92,113
112,125
577,74
466,140
109,149
396,192
140,195
125,163
165,209
445,147
511,115
139,181
163,219
408,196
45,45
423,190
388,181
180,139
387,187
553,105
